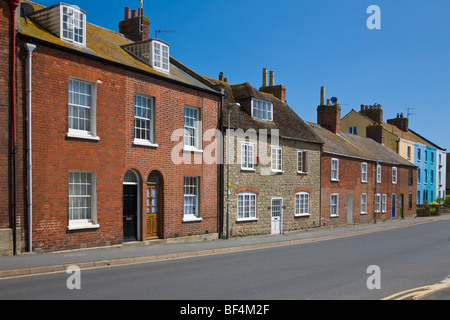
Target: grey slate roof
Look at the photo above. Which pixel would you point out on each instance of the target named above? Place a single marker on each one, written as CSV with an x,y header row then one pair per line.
x,y
354,146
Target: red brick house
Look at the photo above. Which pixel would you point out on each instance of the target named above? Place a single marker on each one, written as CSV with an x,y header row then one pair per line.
x,y
105,110
361,180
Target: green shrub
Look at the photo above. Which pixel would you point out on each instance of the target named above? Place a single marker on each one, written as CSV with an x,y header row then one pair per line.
x,y
447,200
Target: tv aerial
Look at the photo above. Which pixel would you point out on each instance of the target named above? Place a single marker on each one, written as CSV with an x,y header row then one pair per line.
x,y
157,32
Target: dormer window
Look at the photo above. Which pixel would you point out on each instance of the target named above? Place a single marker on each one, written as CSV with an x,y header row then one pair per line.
x,y
153,52
262,110
73,24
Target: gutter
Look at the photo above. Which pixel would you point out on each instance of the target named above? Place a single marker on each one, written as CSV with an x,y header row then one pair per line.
x,y
30,47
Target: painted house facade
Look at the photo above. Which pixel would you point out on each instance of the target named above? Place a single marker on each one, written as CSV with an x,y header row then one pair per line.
x,y
105,157
361,180
274,163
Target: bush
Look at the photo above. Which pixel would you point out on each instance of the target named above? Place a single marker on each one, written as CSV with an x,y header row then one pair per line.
x,y
447,200
433,212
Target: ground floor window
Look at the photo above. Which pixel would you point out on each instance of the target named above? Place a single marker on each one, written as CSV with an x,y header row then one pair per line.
x,y
246,205
82,198
301,203
334,201
191,197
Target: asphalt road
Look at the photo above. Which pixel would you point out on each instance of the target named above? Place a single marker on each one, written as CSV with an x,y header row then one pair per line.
x,y
335,269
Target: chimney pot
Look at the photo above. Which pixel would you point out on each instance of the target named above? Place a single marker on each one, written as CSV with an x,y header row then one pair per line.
x,y
133,13
322,96
127,13
264,84
221,76
141,12
272,79
225,80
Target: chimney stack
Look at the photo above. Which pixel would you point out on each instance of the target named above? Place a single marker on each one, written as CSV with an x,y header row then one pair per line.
x,y
400,122
278,91
135,27
329,115
374,112
221,76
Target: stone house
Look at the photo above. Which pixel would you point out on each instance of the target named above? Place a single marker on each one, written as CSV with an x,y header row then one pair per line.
x,y
271,162
104,109
361,180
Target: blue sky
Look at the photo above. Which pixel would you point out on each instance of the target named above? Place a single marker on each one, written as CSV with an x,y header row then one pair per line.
x,y
313,43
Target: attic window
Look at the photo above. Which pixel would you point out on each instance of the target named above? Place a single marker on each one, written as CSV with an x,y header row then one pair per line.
x,y
153,52
73,24
262,110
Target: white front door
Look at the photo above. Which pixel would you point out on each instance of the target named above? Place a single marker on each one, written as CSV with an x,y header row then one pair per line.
x,y
277,214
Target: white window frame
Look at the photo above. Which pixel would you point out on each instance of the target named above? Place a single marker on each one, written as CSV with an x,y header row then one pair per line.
x,y
335,164
75,104
378,173
302,161
302,204
77,196
363,203
334,207
194,124
247,156
377,207
147,112
191,182
245,210
73,14
277,162
160,56
384,203
394,175
260,107
364,172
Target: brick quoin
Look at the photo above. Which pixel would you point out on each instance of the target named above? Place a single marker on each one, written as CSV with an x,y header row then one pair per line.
x,y
55,154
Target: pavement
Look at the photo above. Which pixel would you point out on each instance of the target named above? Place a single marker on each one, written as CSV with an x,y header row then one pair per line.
x,y
140,252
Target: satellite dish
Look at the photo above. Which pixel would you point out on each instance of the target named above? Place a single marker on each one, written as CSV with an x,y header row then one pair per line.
x,y
26,10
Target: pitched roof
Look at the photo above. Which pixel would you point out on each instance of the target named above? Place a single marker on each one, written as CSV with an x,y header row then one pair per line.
x,y
105,44
289,124
354,146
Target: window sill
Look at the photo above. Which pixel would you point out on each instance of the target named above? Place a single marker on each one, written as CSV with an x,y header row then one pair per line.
x,y
190,149
248,169
364,213
191,219
247,220
276,171
144,143
302,215
334,180
82,136
81,226
302,172
335,216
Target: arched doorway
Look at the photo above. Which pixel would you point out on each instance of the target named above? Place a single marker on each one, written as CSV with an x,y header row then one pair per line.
x,y
154,205
130,206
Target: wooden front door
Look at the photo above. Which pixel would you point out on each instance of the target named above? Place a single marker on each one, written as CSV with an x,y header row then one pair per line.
x,y
153,210
130,212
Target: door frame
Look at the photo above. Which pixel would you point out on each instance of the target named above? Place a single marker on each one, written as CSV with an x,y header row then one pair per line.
x,y
281,214
137,183
394,206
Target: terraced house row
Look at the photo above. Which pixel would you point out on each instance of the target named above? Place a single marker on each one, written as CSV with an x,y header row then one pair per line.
x,y
106,138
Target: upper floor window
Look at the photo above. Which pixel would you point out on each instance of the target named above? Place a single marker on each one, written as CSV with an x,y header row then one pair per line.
x,y
262,110
364,172
247,155
143,120
335,169
277,159
160,55
82,109
153,52
353,130
73,24
426,155
394,175
302,160
418,154
192,128
378,174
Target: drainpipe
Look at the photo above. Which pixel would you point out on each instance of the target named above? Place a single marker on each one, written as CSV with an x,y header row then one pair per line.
x,y
30,47
13,4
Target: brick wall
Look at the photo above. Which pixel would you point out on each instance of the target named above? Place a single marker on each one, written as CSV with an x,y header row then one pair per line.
x,y
55,154
5,111
350,184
